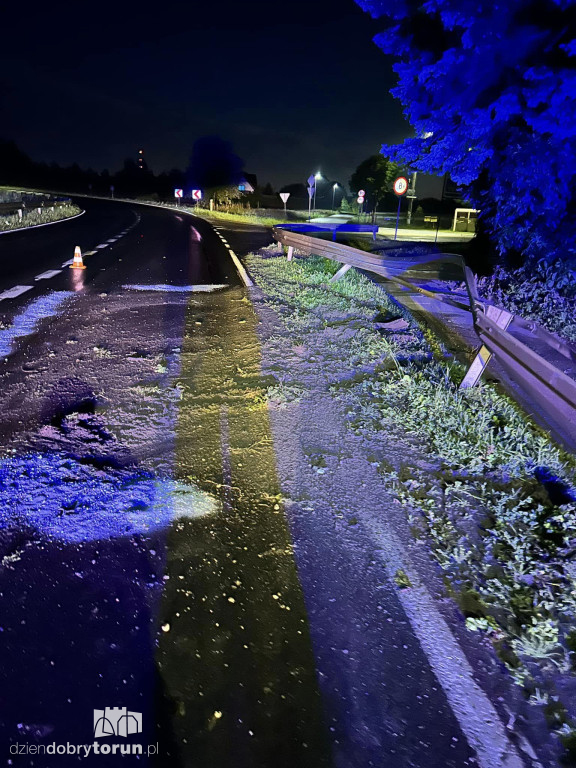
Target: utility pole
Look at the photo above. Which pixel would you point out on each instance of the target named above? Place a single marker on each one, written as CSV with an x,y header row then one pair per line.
x,y
411,197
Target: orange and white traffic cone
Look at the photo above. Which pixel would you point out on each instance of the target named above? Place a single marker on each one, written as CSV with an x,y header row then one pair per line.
x,y
77,263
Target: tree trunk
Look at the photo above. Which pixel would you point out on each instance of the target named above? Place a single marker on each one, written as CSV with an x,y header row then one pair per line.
x,y
374,210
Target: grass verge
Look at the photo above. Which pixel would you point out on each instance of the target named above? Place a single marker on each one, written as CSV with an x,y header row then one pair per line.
x,y
237,218
490,493
32,218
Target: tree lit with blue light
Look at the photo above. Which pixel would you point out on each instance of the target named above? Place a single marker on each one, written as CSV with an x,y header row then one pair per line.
x,y
492,88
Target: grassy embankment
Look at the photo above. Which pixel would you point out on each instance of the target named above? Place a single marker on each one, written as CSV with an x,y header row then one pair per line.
x,y
497,509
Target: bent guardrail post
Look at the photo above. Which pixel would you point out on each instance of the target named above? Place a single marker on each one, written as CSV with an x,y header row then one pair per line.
x,y
471,289
502,319
341,272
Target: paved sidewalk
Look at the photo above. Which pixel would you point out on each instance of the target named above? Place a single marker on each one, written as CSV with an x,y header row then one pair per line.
x,y
404,234
425,235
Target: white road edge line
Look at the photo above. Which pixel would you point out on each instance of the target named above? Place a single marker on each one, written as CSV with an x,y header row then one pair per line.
x,y
471,706
241,270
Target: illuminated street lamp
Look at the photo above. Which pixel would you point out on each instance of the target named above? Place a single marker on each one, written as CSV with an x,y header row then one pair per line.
x,y
333,194
412,191
317,176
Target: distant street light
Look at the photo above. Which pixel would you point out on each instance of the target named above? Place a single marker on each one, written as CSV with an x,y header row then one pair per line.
x,y
333,194
317,176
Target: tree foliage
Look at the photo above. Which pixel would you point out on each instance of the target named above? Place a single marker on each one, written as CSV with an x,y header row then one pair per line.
x,y
490,90
213,164
376,176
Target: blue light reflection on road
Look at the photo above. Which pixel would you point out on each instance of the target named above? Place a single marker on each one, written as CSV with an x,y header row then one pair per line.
x,y
73,501
26,322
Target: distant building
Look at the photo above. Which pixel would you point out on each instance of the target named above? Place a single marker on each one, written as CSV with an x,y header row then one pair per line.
x,y
245,186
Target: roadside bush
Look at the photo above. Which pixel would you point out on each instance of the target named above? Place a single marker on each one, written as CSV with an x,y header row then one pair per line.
x,y
540,291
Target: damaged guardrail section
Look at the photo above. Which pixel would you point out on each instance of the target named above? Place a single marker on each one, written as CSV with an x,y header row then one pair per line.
x,y
550,387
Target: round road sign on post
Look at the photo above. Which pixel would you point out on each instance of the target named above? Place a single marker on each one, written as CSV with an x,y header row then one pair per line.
x,y
360,200
361,193
401,186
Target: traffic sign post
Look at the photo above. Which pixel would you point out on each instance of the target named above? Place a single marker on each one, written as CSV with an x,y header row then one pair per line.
x,y
178,193
360,201
196,195
284,197
311,192
400,189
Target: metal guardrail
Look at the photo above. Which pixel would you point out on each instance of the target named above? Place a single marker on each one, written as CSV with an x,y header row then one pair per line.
x,y
334,230
553,391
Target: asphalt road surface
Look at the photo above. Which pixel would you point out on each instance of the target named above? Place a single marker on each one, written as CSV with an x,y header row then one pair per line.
x,y
125,242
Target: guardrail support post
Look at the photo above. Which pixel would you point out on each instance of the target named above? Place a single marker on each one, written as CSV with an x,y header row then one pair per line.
x,y
341,272
290,252
502,319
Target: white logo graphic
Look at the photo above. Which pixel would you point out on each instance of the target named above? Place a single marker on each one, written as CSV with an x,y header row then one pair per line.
x,y
116,721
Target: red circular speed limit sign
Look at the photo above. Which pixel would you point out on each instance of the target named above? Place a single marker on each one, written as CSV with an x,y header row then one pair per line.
x,y
401,186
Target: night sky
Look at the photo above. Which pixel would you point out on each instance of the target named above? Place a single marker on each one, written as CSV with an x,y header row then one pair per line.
x,y
295,86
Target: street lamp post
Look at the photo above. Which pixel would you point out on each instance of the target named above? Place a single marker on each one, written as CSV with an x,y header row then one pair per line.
x,y
333,194
317,176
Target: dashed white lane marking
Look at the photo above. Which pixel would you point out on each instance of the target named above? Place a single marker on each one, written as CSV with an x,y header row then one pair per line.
x,y
47,275
89,253
12,293
67,263
102,245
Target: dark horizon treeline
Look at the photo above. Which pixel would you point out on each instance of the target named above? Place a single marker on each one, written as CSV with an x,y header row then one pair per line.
x,y
17,168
